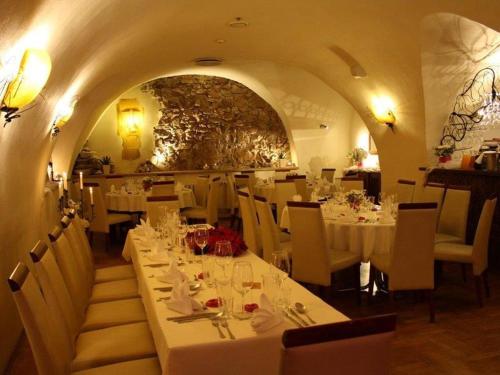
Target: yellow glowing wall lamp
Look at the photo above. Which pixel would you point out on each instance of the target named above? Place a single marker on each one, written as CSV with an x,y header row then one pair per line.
x,y
22,87
383,110
130,124
64,111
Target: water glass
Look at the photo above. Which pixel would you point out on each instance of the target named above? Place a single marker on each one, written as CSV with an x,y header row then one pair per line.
x,y
201,238
208,269
242,281
280,265
224,254
225,296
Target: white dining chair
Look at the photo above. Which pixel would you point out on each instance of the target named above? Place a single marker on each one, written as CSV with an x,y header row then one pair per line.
x,y
431,192
163,188
358,346
124,348
251,234
452,226
475,255
405,189
410,264
329,174
272,240
201,190
300,186
349,183
284,192
156,204
208,214
117,180
312,260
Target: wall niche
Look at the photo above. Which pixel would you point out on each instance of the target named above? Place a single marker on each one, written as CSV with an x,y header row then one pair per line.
x,y
213,122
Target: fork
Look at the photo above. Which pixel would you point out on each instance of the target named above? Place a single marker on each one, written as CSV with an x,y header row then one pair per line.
x,y
223,323
215,323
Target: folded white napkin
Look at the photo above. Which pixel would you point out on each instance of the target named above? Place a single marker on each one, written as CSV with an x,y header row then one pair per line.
x,y
297,198
180,299
172,275
265,317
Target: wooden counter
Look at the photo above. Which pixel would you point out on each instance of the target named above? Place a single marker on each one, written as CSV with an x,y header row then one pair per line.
x,y
483,184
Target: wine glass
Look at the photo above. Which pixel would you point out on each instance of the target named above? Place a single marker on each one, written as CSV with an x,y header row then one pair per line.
x,y
224,254
242,282
201,238
182,230
281,263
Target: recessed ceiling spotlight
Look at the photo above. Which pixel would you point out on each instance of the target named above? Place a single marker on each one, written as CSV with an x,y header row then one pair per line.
x,y
238,23
323,126
208,61
220,41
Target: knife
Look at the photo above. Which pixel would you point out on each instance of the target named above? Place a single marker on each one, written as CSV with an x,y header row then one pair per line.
x,y
304,323
180,319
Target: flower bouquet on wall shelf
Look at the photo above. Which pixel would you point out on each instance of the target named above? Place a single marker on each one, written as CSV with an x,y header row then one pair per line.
x,y
357,155
354,198
444,152
106,164
238,246
147,183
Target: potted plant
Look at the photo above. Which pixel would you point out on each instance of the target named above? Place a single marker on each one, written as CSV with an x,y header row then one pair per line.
x,y
106,164
444,152
357,155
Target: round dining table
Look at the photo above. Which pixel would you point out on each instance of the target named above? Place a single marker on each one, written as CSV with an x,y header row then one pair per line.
x,y
364,233
136,202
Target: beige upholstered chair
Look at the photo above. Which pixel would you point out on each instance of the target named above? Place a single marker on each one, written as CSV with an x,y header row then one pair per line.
x,y
208,214
78,239
284,192
300,186
329,174
358,347
430,192
201,190
242,181
102,219
405,189
352,183
163,188
251,234
313,262
410,265
117,180
77,280
476,254
126,348
232,197
95,316
452,224
155,204
252,178
272,240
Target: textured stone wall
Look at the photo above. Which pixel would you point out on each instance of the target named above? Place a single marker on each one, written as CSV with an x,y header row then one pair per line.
x,y
212,122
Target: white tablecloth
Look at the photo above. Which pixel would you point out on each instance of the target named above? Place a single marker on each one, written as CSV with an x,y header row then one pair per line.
x,y
137,202
363,238
195,348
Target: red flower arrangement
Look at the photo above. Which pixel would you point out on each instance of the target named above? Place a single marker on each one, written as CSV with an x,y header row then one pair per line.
x,y
238,246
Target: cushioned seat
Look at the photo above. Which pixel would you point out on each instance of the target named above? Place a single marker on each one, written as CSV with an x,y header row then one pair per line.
x,y
147,366
443,237
340,260
113,313
115,218
111,345
453,252
114,273
209,212
114,290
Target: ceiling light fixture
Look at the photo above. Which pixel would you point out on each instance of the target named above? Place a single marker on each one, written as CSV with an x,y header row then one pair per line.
x,y
323,126
238,23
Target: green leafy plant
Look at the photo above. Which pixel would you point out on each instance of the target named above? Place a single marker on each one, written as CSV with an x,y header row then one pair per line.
x,y
106,160
357,155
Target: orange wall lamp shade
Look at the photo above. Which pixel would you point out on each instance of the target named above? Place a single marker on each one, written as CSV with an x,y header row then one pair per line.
x,y
64,111
26,84
130,124
383,110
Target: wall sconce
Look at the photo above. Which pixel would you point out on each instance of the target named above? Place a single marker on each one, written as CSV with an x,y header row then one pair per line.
x,y
64,111
383,110
26,83
130,123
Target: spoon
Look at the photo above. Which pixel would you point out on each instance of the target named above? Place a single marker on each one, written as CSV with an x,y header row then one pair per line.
x,y
302,310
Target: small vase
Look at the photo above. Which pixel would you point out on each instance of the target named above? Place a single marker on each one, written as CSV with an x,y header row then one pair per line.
x,y
106,169
444,159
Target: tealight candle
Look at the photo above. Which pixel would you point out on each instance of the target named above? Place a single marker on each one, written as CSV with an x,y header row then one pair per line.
x,y
81,180
91,196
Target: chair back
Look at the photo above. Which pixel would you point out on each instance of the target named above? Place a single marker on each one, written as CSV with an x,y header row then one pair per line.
x,y
213,201
155,206
352,183
358,346
79,242
250,226
455,211
243,181
405,190
54,289
51,350
284,192
482,236
251,176
72,272
99,222
300,186
232,198
268,229
310,258
412,261
329,174
430,192
201,190
77,223
163,188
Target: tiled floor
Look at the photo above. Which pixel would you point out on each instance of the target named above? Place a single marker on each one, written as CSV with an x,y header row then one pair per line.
x,y
464,340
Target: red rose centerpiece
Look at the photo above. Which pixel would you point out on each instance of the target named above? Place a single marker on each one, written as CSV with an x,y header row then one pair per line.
x,y
221,233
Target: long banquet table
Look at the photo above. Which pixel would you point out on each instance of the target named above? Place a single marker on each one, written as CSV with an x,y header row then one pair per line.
x,y
195,348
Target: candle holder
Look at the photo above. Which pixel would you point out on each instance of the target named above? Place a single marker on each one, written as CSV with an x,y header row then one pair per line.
x,y
91,212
